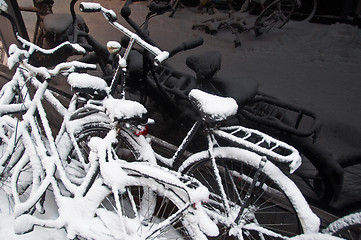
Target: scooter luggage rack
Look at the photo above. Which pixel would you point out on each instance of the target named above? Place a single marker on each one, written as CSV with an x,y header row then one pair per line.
x,y
282,116
261,144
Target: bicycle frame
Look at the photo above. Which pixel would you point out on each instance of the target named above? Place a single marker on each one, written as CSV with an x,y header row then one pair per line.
x,y
250,139
46,156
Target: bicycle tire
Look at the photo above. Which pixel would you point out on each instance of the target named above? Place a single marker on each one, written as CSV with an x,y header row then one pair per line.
x,y
348,227
146,204
128,147
125,210
243,164
275,15
306,11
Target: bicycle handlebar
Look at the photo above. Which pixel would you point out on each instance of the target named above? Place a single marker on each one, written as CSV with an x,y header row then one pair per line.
x,y
21,56
193,43
66,67
160,55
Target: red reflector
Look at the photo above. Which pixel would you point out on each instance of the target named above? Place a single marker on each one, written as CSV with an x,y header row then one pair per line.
x,y
143,132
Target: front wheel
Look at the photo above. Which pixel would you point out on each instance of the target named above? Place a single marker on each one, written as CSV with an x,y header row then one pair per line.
x,y
142,201
275,208
275,15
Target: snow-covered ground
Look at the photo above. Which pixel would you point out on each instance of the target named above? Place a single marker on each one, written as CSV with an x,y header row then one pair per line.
x,y
311,65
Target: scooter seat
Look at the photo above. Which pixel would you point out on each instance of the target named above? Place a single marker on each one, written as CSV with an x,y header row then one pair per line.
x,y
205,65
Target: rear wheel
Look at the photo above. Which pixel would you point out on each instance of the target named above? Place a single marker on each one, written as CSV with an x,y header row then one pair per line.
x,y
269,213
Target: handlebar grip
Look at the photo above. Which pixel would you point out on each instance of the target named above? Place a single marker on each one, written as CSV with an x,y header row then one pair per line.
x,y
90,7
161,57
187,45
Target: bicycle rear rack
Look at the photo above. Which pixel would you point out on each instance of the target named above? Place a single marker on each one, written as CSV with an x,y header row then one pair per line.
x,y
260,143
282,116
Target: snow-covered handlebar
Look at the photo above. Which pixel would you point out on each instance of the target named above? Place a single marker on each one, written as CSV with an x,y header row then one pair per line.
x,y
21,56
160,55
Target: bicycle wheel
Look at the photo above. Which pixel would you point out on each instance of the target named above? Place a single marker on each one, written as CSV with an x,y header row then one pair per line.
x,y
276,15
76,163
139,207
145,208
12,152
272,211
348,227
306,11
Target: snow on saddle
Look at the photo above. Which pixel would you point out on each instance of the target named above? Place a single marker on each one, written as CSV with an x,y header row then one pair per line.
x,y
84,83
213,108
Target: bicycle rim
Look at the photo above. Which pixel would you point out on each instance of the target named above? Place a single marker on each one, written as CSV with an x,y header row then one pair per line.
x,y
269,208
143,211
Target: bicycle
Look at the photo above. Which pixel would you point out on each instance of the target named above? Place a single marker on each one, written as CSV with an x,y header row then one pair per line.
x,y
164,91
82,178
228,205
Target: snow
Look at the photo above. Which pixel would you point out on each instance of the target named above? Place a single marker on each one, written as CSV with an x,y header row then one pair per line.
x,y
311,65
213,107
119,109
351,219
83,80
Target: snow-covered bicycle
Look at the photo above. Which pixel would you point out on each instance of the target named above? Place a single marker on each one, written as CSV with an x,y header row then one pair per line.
x,y
98,195
249,196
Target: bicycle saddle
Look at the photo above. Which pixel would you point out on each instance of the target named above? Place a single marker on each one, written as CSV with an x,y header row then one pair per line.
x,y
88,85
205,65
126,110
213,108
57,24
